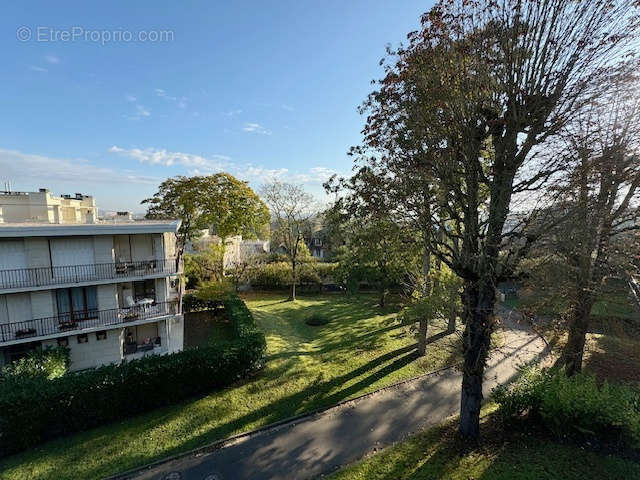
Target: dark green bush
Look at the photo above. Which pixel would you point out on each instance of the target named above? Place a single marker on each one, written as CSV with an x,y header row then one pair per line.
x,y
316,320
48,363
577,405
35,409
192,303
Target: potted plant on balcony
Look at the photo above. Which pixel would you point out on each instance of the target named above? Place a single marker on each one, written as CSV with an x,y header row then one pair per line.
x,y
130,315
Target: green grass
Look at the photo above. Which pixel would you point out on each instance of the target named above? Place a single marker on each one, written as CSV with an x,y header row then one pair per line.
x,y
437,454
360,350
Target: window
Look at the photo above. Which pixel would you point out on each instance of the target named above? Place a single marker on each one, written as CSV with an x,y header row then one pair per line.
x,y
83,338
63,342
75,304
101,335
144,289
317,242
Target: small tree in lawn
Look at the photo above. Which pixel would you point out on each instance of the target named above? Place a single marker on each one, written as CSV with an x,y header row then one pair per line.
x,y
292,210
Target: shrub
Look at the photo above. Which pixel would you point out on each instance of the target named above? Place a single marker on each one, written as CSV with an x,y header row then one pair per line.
x,y
575,405
277,275
48,363
316,319
35,409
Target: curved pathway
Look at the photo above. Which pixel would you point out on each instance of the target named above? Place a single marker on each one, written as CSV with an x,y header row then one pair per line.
x,y
323,442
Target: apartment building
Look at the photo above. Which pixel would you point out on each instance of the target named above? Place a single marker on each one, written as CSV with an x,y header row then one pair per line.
x,y
42,206
108,291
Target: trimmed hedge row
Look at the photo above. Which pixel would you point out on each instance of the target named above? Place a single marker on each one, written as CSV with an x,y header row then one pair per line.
x,y
36,409
191,303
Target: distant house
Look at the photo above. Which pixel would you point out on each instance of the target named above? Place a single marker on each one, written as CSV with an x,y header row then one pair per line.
x,y
236,249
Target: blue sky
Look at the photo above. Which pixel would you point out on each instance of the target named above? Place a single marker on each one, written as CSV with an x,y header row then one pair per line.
x,y
110,98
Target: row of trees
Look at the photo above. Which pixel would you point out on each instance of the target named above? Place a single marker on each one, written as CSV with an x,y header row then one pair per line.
x,y
493,109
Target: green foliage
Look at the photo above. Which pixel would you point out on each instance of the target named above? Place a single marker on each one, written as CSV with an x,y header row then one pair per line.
x,y
575,405
443,300
220,201
277,275
316,319
215,290
36,409
48,363
204,266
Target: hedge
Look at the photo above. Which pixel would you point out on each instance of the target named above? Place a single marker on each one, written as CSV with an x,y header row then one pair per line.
x,y
48,363
278,275
35,409
578,406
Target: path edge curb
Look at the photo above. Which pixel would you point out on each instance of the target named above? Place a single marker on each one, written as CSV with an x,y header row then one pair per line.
x,y
219,444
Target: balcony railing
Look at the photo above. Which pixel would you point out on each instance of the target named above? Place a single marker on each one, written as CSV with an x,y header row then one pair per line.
x,y
45,276
65,322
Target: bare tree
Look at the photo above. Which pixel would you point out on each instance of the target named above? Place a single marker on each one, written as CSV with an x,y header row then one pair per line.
x,y
292,210
603,152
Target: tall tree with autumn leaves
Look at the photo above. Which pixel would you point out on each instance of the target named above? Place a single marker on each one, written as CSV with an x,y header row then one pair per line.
x,y
478,91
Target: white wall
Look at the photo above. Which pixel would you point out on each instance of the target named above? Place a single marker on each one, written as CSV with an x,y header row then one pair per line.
x,y
176,333
95,352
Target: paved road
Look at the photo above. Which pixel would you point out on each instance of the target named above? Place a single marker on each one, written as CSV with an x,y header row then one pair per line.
x,y
328,440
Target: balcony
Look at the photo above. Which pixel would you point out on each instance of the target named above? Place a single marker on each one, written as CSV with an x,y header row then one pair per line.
x,y
76,323
49,276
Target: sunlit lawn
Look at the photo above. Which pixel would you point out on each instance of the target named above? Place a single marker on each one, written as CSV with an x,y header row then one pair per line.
x,y
360,350
438,454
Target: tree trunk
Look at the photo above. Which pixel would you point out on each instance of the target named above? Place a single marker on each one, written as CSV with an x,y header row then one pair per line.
x,y
451,326
478,311
423,326
292,294
382,297
579,326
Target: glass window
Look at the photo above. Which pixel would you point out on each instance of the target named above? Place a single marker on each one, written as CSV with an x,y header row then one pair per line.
x,y
144,289
79,303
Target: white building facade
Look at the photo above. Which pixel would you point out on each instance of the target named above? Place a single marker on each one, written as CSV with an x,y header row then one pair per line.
x,y
107,291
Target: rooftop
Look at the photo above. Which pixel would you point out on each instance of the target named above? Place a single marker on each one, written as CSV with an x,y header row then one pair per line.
x,y
27,229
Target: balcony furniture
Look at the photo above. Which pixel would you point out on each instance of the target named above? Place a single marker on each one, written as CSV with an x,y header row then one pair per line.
x,y
145,303
25,332
67,325
130,348
145,347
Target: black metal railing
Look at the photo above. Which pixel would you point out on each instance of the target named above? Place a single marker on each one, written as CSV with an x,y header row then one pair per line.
x,y
45,276
65,322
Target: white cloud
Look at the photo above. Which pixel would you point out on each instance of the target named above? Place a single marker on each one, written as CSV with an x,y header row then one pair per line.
x,y
315,175
19,165
52,59
140,112
181,102
130,98
36,68
256,128
155,156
